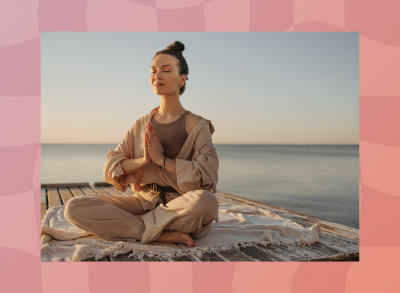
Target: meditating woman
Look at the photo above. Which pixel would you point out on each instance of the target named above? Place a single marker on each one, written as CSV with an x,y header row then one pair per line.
x,y
170,162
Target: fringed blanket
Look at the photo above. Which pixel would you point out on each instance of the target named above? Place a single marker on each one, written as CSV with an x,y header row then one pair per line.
x,y
238,226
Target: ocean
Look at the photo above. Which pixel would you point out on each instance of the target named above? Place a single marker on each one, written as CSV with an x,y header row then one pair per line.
x,y
319,180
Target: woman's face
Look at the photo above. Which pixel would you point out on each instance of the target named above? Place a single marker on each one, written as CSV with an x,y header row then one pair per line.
x,y
164,69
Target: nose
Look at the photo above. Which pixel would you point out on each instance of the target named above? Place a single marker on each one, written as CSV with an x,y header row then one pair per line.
x,y
158,75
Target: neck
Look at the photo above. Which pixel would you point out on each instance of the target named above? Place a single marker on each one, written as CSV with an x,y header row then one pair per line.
x,y
169,107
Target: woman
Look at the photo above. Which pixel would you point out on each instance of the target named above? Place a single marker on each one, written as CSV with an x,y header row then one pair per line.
x,y
169,159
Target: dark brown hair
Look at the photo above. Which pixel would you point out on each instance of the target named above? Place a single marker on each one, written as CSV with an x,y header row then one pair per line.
x,y
176,50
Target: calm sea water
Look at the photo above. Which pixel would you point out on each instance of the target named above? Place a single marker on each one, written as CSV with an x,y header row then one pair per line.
x,y
319,180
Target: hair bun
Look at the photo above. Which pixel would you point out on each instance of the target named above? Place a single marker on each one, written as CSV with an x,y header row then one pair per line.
x,y
176,46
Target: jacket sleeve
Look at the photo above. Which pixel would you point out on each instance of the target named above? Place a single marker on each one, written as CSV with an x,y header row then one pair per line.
x,y
201,172
113,172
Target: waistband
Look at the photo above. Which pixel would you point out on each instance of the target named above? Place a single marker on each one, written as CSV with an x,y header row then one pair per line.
x,y
160,191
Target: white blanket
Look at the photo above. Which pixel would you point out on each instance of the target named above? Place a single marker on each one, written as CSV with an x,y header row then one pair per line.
x,y
239,226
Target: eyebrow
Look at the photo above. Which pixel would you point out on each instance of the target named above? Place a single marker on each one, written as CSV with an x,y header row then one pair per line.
x,y
161,66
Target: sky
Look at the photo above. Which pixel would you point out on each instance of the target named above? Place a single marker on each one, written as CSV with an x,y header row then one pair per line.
x,y
255,87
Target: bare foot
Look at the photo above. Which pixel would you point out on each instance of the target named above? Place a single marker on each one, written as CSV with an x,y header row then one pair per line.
x,y
176,237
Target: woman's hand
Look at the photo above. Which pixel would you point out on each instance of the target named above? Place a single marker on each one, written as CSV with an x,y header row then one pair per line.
x,y
147,158
155,149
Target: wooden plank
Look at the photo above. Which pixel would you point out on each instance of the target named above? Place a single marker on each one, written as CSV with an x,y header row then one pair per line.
x,y
53,197
88,191
210,257
339,257
65,193
350,259
339,242
111,190
309,251
43,203
76,191
297,218
258,254
108,190
354,230
275,253
317,250
283,252
339,245
317,246
99,190
43,185
303,253
102,183
222,200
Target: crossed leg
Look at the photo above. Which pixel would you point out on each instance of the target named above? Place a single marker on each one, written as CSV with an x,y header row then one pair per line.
x,y
182,219
110,217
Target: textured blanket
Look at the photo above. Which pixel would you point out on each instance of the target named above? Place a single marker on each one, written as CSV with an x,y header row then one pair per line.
x,y
238,226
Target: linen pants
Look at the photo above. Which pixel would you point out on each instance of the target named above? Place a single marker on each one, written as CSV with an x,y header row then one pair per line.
x,y
113,217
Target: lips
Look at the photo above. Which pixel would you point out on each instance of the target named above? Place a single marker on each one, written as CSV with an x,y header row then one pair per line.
x,y
158,84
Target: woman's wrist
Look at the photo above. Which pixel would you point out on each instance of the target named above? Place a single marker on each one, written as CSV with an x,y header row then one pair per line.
x,y
144,162
132,165
161,161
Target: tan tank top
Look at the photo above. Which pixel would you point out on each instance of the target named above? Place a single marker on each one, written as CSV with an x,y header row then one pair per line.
x,y
172,135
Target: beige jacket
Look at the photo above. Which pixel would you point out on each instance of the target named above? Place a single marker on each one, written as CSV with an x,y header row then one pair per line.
x,y
196,164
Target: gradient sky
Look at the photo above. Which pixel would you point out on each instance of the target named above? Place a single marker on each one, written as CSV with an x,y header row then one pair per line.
x,y
256,87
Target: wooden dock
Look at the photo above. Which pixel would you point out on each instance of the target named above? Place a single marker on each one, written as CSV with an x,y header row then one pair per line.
x,y
344,248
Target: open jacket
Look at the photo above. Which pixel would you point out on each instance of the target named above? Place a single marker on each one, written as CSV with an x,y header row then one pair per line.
x,y
196,164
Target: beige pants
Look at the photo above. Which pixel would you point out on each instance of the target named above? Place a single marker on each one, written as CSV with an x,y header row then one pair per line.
x,y
112,217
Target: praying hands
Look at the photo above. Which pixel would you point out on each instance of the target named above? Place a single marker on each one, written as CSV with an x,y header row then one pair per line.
x,y
153,150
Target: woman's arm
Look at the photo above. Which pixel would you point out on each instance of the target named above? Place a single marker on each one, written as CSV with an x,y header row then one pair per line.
x,y
132,165
170,164
120,163
201,172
